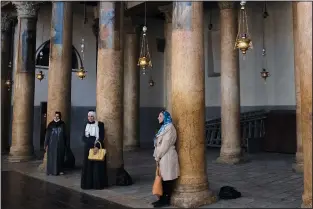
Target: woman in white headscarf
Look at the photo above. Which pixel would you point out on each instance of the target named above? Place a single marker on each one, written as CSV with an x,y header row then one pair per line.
x,y
93,172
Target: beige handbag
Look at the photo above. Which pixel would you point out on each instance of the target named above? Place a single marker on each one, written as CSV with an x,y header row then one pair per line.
x,y
99,156
157,188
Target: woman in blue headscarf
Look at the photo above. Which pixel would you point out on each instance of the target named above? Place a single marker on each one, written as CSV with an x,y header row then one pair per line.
x,y
166,157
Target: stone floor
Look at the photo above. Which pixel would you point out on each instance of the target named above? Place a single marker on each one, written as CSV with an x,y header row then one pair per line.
x,y
46,195
266,181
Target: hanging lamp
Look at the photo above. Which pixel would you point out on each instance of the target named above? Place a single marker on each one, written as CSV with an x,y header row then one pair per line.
x,y
81,73
264,73
243,39
40,75
9,80
144,60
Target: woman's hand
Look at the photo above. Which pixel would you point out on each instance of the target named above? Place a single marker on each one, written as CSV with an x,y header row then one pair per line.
x,y
95,150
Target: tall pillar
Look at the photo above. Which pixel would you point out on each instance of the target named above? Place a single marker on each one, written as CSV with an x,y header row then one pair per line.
x,y
131,87
298,165
192,189
231,152
304,40
24,83
60,66
110,86
6,47
167,10
60,62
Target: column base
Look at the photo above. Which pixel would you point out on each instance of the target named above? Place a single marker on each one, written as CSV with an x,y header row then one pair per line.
x,y
20,158
119,177
192,199
231,160
306,201
297,167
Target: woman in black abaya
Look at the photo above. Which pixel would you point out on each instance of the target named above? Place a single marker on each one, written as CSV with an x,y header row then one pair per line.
x,y
94,174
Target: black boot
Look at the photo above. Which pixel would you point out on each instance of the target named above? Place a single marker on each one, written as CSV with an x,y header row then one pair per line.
x,y
165,201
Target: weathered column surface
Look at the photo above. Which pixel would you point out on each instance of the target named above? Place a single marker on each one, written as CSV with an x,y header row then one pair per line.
x,y
110,86
298,165
168,10
60,64
131,88
230,87
192,189
6,42
24,83
304,40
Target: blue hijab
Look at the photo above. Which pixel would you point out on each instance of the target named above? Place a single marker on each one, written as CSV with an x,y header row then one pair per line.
x,y
166,121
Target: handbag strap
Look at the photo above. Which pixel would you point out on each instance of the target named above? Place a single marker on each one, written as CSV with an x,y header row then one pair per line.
x,y
158,171
98,142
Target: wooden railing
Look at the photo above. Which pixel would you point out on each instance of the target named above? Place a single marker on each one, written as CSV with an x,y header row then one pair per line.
x,y
252,127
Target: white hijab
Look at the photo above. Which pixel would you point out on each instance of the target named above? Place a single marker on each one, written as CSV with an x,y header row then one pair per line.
x,y
92,129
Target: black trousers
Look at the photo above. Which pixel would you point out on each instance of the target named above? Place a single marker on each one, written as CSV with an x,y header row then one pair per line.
x,y
168,187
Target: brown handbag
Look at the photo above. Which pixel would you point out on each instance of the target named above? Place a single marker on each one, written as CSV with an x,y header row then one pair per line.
x,y
157,188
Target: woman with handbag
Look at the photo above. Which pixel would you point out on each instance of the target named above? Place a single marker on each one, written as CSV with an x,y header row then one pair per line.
x,y
94,174
166,157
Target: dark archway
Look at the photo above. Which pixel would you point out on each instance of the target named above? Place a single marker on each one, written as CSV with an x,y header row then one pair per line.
x,y
44,61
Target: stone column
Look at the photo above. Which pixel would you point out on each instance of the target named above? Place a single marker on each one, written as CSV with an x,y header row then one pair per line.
x,y
192,189
131,87
298,165
167,10
110,86
304,50
231,152
60,63
24,83
60,66
6,48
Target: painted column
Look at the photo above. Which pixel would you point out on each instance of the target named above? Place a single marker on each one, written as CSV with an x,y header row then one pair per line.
x,y
110,85
6,43
60,62
60,65
192,189
298,165
230,152
168,10
24,83
304,61
131,87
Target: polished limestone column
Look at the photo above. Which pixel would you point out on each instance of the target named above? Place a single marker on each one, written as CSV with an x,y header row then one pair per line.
x,y
304,50
6,43
231,152
298,165
167,10
60,65
110,85
24,83
131,87
192,189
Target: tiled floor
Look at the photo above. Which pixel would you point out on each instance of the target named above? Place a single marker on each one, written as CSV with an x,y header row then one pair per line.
x,y
266,181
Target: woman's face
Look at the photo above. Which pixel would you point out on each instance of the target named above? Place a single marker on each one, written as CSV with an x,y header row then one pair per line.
x,y
161,117
91,118
57,117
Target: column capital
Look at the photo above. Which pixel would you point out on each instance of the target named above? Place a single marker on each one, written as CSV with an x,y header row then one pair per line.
x,y
167,10
128,25
28,9
226,5
6,20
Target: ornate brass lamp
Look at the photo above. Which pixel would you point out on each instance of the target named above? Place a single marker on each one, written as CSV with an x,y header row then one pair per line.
x,y
40,76
144,60
9,84
151,82
81,73
265,74
243,39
